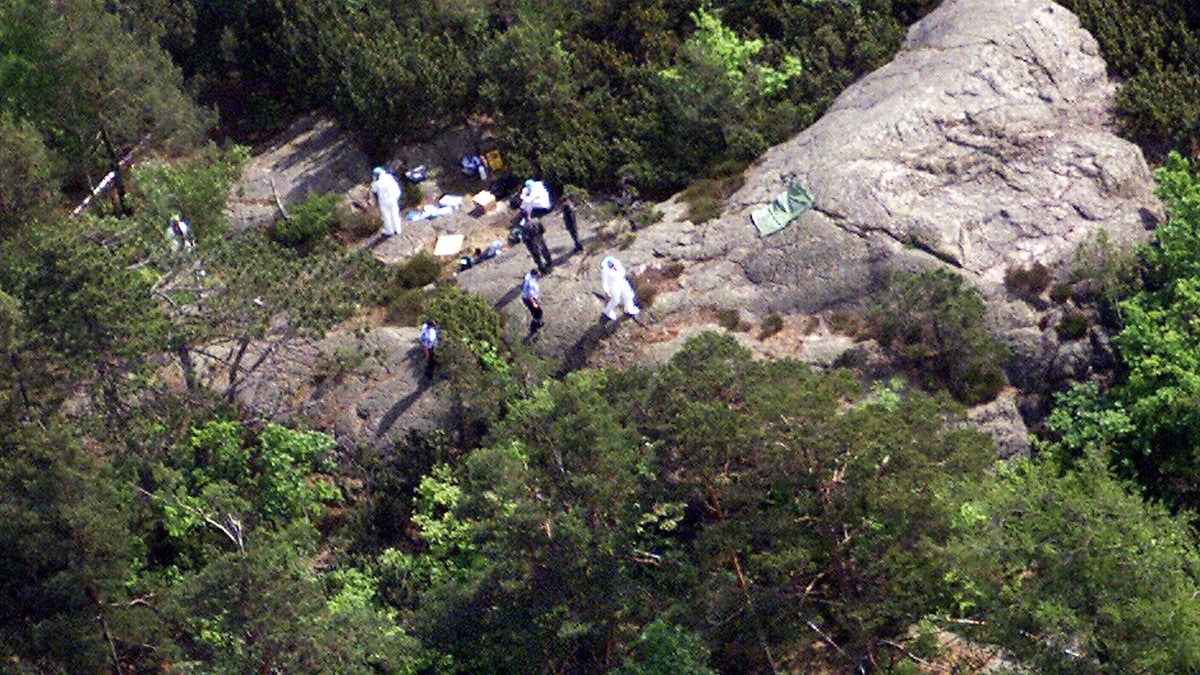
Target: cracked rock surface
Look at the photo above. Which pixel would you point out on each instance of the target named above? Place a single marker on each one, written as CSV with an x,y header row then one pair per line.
x,y
983,145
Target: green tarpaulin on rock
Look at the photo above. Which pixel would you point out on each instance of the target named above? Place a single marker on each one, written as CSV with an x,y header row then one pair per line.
x,y
782,210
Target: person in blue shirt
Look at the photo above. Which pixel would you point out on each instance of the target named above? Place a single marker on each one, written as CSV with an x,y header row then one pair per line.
x,y
531,295
429,342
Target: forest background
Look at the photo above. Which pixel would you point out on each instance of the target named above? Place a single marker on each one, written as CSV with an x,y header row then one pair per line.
x,y
717,514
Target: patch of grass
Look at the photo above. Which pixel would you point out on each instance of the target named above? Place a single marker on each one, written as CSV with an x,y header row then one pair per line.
x,y
730,319
673,270
1060,293
1072,326
1027,283
644,289
626,240
771,324
706,196
418,271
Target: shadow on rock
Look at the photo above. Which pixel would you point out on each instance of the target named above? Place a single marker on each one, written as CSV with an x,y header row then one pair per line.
x,y
577,354
399,407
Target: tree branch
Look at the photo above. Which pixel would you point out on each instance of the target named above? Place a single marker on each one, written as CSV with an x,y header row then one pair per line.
x,y
232,530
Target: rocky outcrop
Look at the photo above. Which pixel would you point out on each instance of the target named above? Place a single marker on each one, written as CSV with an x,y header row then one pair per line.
x,y
360,385
984,146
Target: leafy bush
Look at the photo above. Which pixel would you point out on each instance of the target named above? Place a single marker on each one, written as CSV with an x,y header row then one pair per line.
x,y
845,323
1072,326
404,307
418,271
26,183
1105,276
1151,45
730,319
465,318
771,324
1041,552
645,290
1060,293
1160,348
353,225
780,498
702,208
310,221
411,196
196,189
646,217
934,324
705,197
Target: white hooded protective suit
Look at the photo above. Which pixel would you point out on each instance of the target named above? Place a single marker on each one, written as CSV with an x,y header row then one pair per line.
x,y
534,196
387,196
617,287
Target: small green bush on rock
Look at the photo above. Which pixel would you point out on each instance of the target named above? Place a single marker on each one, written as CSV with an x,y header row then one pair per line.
x,y
933,324
309,222
771,324
1027,283
418,271
1072,326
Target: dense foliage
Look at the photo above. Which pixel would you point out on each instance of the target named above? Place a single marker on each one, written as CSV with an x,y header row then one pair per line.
x,y
1154,48
759,507
935,325
717,514
1149,421
655,91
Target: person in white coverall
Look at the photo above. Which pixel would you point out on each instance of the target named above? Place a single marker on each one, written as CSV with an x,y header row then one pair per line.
x,y
387,198
535,199
617,289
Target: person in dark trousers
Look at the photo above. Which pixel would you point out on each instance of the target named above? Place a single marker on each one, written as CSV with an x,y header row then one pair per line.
x,y
429,342
531,295
568,211
534,235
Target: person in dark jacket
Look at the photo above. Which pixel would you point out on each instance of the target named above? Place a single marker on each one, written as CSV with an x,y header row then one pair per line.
x,y
568,211
533,233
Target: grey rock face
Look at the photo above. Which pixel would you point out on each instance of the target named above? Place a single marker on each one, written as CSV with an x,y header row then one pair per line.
x,y
313,156
362,388
981,146
1002,420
